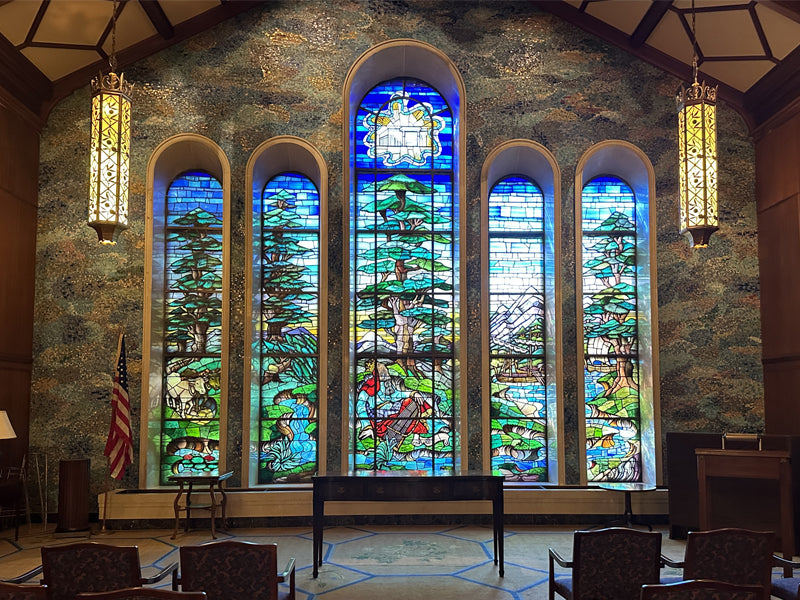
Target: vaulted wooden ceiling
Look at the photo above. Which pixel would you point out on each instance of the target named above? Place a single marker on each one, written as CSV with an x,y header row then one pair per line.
x,y
751,48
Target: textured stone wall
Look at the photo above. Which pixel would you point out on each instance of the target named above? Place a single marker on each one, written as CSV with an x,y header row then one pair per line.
x,y
280,69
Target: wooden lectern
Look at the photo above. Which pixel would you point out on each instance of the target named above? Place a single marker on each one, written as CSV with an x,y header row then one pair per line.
x,y
770,465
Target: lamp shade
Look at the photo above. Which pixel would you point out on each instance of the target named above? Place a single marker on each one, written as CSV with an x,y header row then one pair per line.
x,y
697,141
109,170
6,430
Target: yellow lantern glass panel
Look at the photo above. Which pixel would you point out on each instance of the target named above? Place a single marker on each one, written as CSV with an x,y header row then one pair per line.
x,y
109,175
697,133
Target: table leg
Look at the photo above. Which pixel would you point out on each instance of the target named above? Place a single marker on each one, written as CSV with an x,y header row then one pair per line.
x,y
213,510
223,504
318,517
177,507
498,528
188,506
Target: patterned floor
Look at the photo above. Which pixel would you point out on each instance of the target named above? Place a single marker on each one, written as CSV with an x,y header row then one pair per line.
x,y
375,562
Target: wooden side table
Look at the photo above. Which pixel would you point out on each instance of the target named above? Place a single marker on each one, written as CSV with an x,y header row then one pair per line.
x,y
628,519
214,482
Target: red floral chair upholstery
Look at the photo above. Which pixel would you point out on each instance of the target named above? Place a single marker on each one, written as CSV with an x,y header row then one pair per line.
x,y
607,564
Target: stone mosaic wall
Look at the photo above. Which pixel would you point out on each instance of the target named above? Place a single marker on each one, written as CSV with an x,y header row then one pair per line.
x,y
280,69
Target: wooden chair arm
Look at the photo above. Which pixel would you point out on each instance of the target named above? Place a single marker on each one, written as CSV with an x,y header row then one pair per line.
x,y
668,562
171,568
25,576
567,564
288,572
778,561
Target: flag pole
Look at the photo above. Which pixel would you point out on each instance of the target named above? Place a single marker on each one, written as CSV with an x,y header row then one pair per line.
x,y
108,458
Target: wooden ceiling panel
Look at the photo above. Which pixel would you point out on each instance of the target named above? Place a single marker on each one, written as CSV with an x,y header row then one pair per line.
x,y
625,15
59,64
782,33
727,33
80,22
670,37
133,26
178,11
16,19
740,74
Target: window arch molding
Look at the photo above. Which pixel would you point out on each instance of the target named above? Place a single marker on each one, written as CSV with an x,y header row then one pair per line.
x,y
175,155
626,161
417,60
272,157
535,162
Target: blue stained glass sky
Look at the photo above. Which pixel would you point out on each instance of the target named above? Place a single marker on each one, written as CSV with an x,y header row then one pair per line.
x,y
516,204
603,196
191,190
306,203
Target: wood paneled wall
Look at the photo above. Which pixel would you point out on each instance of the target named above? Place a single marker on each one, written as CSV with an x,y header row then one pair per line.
x,y
778,197
19,187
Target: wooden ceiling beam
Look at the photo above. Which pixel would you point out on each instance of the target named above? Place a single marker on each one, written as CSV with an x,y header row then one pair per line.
x,y
68,84
787,8
614,36
650,21
22,79
158,18
776,89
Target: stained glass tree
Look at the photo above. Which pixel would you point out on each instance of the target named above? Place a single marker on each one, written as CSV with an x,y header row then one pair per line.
x,y
403,311
518,408
192,336
286,340
613,428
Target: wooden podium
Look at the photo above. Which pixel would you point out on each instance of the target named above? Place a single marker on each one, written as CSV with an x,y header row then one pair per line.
x,y
769,465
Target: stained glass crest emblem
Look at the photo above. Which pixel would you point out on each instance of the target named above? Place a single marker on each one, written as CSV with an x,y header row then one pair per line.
x,y
403,130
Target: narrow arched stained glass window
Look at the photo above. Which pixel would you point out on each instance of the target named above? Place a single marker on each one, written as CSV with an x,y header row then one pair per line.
x,y
286,342
610,324
403,311
193,326
518,409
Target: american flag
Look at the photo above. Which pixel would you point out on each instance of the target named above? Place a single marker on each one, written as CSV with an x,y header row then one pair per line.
x,y
119,447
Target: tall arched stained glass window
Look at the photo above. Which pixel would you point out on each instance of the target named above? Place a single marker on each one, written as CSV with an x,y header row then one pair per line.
x,y
611,331
286,341
518,409
404,305
192,326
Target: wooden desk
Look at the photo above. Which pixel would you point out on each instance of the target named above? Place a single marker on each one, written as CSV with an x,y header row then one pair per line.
x,y
400,486
772,465
212,480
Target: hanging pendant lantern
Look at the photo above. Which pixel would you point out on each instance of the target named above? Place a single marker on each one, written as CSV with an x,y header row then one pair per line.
x,y
697,141
110,159
697,149
109,165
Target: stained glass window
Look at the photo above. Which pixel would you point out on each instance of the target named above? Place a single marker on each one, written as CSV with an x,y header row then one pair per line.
x,y
518,408
610,324
193,326
403,309
285,346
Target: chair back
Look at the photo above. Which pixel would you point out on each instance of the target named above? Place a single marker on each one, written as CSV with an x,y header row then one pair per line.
x,y
142,593
614,563
731,555
15,591
702,589
230,569
88,567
